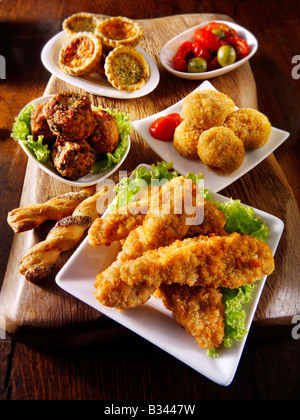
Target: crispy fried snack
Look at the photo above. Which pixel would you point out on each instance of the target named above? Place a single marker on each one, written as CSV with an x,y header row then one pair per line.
x,y
198,310
186,138
228,261
32,216
249,125
70,116
157,230
206,108
221,150
41,260
105,137
118,225
73,159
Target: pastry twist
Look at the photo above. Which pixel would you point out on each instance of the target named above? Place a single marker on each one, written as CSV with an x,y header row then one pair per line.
x,y
32,216
41,260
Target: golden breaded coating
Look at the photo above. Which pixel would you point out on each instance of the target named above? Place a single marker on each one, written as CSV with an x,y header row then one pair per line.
x,y
221,150
186,138
251,126
206,108
198,310
219,261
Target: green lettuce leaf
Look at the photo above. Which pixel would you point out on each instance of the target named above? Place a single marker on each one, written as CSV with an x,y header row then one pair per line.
x,y
242,219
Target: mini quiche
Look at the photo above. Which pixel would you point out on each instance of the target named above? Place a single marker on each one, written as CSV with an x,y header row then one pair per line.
x,y
117,31
80,22
126,68
81,54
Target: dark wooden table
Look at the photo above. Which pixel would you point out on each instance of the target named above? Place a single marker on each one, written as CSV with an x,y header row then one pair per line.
x,y
129,367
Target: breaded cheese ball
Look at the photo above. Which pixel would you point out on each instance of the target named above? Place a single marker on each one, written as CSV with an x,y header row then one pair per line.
x,y
206,108
221,150
186,138
251,126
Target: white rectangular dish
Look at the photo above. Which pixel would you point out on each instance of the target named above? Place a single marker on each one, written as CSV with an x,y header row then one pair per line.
x,y
213,181
151,320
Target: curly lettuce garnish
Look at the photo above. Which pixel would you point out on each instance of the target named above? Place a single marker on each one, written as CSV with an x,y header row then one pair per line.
x,y
21,131
123,123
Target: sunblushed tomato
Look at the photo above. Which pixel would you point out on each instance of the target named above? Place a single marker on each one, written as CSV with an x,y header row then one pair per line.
x,y
200,51
197,65
183,56
208,39
213,64
163,128
226,29
240,45
226,55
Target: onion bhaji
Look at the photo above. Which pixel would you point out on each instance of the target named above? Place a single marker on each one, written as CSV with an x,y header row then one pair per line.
x,y
70,116
221,150
73,160
39,125
251,126
105,137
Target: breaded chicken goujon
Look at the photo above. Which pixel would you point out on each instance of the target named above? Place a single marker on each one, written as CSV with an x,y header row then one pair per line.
x,y
70,116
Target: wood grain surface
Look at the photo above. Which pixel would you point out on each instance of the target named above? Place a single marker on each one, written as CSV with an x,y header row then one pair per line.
x,y
44,314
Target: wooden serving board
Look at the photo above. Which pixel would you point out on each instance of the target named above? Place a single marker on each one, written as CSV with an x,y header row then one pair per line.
x,y
43,314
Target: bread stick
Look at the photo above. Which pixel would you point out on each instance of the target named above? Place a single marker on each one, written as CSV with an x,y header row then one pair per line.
x,y
30,217
41,260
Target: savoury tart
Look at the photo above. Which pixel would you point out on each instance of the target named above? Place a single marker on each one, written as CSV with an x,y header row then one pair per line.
x,y
81,54
117,31
126,68
80,22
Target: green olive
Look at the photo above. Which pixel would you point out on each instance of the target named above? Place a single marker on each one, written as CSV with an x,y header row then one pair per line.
x,y
220,34
197,65
226,55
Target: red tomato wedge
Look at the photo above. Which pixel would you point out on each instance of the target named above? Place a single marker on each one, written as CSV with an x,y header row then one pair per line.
x,y
163,128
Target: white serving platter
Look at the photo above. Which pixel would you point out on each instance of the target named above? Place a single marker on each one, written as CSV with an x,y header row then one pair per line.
x,y
94,84
213,181
151,320
169,50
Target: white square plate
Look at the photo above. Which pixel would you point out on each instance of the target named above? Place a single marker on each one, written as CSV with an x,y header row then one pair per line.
x,y
151,320
213,181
